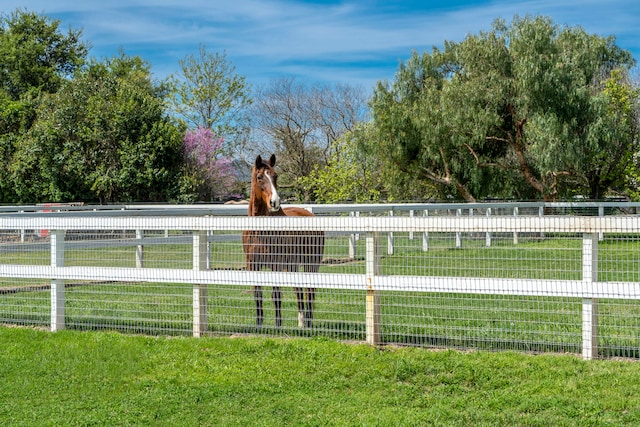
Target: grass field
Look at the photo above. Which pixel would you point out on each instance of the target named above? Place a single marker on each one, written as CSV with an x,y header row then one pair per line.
x,y
72,378
533,324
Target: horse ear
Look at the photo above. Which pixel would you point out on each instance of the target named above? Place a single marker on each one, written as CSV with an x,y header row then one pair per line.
x,y
272,160
258,161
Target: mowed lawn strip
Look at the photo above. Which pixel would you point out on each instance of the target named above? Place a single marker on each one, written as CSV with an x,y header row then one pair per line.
x,y
102,378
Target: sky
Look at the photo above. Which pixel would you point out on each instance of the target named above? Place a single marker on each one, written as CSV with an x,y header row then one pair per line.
x,y
349,41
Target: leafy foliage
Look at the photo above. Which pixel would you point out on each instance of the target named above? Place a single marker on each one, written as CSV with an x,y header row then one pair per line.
x,y
622,105
208,170
209,94
36,59
35,55
350,174
518,111
102,137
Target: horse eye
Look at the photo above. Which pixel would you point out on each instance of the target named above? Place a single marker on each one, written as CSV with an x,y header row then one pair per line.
x,y
259,176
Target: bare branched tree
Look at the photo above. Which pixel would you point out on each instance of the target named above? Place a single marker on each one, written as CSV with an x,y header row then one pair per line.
x,y
298,122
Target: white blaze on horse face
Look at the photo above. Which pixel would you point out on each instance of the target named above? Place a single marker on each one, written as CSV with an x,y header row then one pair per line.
x,y
274,206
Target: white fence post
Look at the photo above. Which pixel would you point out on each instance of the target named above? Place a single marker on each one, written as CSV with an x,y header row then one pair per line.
x,y
200,256
140,249
458,234
57,285
540,215
373,296
589,305
487,237
515,233
22,233
353,238
425,235
209,243
601,214
411,215
390,240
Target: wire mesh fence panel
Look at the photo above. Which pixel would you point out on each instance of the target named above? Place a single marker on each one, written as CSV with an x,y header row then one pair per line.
x,y
619,258
27,247
225,250
329,312
473,321
128,248
24,301
150,308
619,326
476,320
551,258
337,313
619,320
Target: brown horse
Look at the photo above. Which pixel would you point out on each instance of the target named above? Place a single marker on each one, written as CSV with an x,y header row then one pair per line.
x,y
279,251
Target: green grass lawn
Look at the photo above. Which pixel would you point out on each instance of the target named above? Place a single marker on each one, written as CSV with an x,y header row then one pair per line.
x,y
70,378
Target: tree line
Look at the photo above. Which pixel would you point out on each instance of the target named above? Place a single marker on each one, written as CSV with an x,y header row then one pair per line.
x,y
526,110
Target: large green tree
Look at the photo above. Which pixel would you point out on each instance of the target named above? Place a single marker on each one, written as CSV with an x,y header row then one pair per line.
x,y
351,173
519,111
103,136
35,59
35,54
208,93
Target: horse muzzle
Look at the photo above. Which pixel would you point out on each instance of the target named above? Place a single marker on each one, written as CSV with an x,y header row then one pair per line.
x,y
274,206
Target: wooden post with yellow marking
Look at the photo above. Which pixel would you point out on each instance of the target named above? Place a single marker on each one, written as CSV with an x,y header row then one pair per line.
x,y
590,305
200,257
373,296
57,285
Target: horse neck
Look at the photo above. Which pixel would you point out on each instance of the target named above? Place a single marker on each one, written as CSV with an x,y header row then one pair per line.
x,y
257,207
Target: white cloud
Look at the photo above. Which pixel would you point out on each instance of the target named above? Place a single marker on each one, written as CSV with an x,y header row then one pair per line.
x,y
315,40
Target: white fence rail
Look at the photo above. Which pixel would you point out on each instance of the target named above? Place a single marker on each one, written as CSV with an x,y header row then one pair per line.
x,y
497,292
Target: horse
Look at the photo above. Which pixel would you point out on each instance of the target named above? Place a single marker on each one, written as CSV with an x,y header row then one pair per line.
x,y
277,250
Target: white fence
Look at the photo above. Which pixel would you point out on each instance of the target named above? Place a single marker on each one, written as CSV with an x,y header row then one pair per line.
x,y
530,282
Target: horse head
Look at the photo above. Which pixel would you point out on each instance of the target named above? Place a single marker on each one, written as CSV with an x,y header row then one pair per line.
x,y
264,184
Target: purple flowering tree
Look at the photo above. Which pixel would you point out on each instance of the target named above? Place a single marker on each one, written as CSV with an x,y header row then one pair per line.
x,y
209,173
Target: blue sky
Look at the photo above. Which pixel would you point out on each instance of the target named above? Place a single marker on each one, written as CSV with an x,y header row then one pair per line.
x,y
354,42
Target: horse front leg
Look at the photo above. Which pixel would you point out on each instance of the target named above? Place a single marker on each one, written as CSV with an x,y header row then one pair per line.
x,y
277,302
308,316
257,293
301,309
